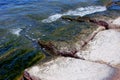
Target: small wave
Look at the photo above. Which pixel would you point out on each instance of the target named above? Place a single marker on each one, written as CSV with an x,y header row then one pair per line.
x,y
16,31
52,18
78,12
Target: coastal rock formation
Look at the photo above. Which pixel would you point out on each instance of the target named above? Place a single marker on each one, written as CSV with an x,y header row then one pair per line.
x,y
116,21
71,69
104,47
101,59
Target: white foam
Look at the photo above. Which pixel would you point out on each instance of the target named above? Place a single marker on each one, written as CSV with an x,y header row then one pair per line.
x,y
52,18
71,69
82,11
16,31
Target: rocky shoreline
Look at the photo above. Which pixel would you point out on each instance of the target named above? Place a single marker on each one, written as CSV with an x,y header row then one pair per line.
x,y
99,60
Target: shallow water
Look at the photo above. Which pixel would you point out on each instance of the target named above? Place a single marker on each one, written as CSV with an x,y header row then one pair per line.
x,y
23,22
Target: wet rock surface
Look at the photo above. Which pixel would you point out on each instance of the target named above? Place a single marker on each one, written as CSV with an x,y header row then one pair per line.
x,y
101,59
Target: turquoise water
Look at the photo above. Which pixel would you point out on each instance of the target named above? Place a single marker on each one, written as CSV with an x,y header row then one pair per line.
x,y
23,22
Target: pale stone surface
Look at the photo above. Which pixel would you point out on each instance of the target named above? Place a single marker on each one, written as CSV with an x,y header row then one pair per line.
x,y
116,21
71,69
104,47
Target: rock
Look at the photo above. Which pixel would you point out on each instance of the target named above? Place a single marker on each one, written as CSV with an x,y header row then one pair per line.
x,y
115,24
116,21
66,50
87,19
71,69
27,76
104,47
101,59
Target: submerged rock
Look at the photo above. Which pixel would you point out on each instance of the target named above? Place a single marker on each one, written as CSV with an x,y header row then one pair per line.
x,y
63,48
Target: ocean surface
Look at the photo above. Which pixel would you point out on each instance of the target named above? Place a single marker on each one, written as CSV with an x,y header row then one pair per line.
x,y
23,22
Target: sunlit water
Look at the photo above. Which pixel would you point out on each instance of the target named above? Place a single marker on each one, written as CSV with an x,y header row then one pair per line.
x,y
23,22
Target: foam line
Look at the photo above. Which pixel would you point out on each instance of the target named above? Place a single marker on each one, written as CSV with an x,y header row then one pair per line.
x,y
82,11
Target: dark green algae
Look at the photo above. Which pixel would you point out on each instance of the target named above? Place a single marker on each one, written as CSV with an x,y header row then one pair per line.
x,y
16,55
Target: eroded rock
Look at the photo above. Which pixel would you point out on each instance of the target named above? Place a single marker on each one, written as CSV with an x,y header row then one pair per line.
x,y
66,50
71,69
104,47
101,53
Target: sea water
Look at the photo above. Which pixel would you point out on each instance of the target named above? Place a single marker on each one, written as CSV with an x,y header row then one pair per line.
x,y
23,22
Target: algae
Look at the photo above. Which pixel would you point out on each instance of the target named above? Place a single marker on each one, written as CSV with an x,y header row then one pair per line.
x,y
12,66
17,54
